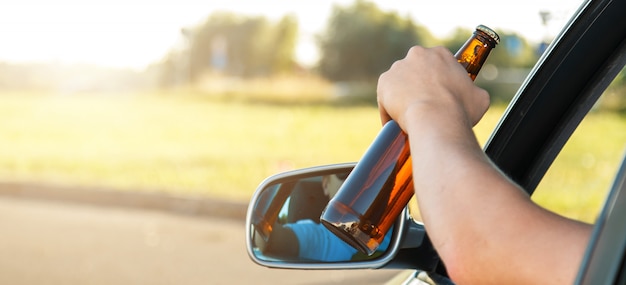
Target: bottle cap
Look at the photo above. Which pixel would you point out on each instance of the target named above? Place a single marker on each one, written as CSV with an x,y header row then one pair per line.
x,y
491,33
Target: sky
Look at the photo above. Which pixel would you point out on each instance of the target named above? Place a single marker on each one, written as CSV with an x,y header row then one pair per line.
x,y
135,33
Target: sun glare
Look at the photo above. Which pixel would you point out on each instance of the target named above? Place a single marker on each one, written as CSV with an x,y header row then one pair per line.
x,y
136,33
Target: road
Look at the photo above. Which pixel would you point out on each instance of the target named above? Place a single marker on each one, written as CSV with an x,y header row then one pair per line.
x,y
52,242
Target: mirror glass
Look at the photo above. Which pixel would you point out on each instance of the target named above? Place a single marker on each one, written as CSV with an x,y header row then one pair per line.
x,y
284,219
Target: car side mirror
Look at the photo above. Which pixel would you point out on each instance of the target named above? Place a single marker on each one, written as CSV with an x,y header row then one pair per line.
x,y
283,228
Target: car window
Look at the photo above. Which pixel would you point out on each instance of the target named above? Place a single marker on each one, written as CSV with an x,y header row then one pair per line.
x,y
577,183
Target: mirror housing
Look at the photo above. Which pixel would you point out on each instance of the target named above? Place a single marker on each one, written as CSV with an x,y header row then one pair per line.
x,y
285,210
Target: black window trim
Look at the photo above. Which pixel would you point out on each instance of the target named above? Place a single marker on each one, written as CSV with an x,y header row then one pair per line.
x,y
562,88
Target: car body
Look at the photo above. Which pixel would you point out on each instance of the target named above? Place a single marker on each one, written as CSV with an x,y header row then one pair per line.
x,y
559,92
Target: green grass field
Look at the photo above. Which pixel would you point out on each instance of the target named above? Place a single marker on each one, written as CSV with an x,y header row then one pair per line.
x,y
198,145
188,145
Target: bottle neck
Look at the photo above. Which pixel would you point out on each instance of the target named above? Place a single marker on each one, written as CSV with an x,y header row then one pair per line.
x,y
474,52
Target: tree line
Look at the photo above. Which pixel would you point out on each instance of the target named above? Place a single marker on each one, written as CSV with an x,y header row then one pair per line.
x,y
359,43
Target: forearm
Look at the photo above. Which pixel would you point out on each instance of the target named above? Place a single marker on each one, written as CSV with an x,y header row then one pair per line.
x,y
485,228
450,171
477,217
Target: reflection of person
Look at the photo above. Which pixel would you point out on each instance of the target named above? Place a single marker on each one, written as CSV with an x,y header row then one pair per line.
x,y
332,183
485,228
310,240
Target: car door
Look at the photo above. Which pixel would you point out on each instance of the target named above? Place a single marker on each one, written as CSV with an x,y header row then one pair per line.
x,y
604,260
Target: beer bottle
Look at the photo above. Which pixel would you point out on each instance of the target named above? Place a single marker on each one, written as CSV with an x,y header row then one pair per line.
x,y
381,184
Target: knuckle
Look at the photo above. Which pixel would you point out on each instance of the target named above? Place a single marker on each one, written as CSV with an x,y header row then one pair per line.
x,y
416,50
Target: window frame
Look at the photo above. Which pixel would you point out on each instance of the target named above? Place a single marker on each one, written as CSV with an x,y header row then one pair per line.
x,y
559,92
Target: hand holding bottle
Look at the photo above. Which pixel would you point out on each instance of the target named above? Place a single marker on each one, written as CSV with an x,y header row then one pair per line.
x,y
430,82
428,87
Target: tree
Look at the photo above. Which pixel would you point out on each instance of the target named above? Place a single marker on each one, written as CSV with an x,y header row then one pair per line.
x,y
361,42
235,45
457,38
282,52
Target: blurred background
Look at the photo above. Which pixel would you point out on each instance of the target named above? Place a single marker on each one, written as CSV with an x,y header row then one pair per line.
x,y
203,100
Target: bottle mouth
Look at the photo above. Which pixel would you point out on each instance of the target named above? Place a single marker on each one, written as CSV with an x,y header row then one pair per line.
x,y
491,33
352,235
347,224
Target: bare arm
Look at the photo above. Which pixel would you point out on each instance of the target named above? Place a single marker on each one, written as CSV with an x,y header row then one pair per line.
x,y
486,229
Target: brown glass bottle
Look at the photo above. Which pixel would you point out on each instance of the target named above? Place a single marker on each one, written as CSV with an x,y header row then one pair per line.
x,y
381,184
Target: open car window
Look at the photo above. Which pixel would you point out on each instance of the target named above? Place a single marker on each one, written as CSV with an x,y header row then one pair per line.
x,y
577,182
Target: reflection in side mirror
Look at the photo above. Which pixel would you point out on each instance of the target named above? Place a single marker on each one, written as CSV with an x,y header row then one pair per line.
x,y
283,223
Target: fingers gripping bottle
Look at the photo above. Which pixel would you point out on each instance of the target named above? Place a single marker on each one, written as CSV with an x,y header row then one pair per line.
x,y
381,184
